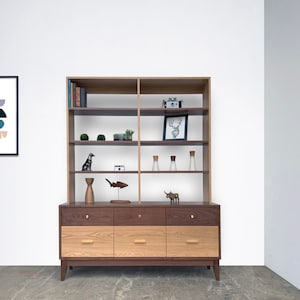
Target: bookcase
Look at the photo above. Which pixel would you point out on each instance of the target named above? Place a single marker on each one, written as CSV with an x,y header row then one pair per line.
x,y
146,229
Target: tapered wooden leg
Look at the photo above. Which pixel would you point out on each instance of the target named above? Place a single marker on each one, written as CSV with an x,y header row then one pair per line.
x,y
216,268
63,270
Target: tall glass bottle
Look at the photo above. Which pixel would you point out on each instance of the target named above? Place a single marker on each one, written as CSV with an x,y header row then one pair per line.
x,y
155,166
192,163
173,163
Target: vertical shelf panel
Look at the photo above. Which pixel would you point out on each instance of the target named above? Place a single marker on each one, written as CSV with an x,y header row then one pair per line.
x,y
139,138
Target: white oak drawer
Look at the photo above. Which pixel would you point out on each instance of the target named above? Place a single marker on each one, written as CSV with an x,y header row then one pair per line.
x,y
86,241
192,241
140,241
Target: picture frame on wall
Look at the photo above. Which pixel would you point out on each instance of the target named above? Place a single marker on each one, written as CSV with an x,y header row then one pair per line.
x,y
175,127
9,127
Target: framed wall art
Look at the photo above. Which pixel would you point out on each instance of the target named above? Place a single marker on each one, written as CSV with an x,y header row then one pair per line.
x,y
175,127
9,90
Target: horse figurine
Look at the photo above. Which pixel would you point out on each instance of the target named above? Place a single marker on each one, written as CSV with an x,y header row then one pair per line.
x,y
174,197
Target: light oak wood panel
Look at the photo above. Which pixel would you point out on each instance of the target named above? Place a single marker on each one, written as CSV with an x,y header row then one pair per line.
x,y
140,241
195,241
86,241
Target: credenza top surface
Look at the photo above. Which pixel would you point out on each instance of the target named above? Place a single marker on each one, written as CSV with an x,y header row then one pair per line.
x,y
165,204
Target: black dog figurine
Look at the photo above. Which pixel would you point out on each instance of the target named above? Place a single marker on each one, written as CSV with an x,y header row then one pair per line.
x,y
87,166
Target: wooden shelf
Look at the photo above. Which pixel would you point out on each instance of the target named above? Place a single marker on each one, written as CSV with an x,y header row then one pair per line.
x,y
104,143
106,111
175,172
143,143
192,111
92,111
174,143
104,172
142,172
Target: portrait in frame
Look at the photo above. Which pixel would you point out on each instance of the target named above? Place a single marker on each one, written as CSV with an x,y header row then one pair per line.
x,y
175,127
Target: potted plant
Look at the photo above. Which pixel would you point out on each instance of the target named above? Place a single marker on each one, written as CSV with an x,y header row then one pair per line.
x,y
101,137
128,134
84,137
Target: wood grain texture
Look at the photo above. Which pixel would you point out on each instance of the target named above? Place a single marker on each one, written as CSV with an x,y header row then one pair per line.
x,y
138,216
86,241
193,216
86,216
140,241
196,241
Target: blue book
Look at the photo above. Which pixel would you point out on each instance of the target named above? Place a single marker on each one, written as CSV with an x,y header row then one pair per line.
x,y
82,97
69,94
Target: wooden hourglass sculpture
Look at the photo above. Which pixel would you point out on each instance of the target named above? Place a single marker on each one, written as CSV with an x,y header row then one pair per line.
x,y
89,194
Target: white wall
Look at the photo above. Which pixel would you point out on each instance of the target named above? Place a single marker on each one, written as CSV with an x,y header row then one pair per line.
x,y
282,144
43,42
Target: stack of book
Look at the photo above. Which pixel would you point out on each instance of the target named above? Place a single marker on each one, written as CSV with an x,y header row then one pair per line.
x,y
76,95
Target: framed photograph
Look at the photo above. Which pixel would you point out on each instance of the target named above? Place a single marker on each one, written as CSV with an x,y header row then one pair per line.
x,y
175,127
9,90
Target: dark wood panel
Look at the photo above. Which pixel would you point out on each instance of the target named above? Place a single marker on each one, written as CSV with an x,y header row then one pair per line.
x,y
137,261
135,216
92,111
78,216
193,216
192,111
173,85
103,143
107,85
99,111
144,204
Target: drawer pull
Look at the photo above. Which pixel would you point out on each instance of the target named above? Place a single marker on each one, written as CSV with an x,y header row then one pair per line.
x,y
139,216
192,217
87,217
141,241
192,241
87,241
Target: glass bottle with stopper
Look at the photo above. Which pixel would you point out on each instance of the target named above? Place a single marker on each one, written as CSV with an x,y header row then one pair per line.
x,y
192,163
155,166
173,163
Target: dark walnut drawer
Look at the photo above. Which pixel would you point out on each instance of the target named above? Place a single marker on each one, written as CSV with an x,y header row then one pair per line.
x,y
190,216
80,216
139,216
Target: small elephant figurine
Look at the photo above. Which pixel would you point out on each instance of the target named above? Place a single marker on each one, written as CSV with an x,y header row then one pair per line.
x,y
87,166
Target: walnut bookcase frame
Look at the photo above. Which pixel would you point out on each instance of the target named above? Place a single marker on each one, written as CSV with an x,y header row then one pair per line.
x,y
138,87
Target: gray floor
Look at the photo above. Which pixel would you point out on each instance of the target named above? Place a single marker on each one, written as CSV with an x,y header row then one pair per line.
x,y
134,283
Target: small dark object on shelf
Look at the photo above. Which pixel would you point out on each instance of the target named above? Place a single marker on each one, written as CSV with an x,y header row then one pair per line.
x,y
84,137
172,103
174,197
87,166
120,201
119,168
101,137
117,184
119,137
